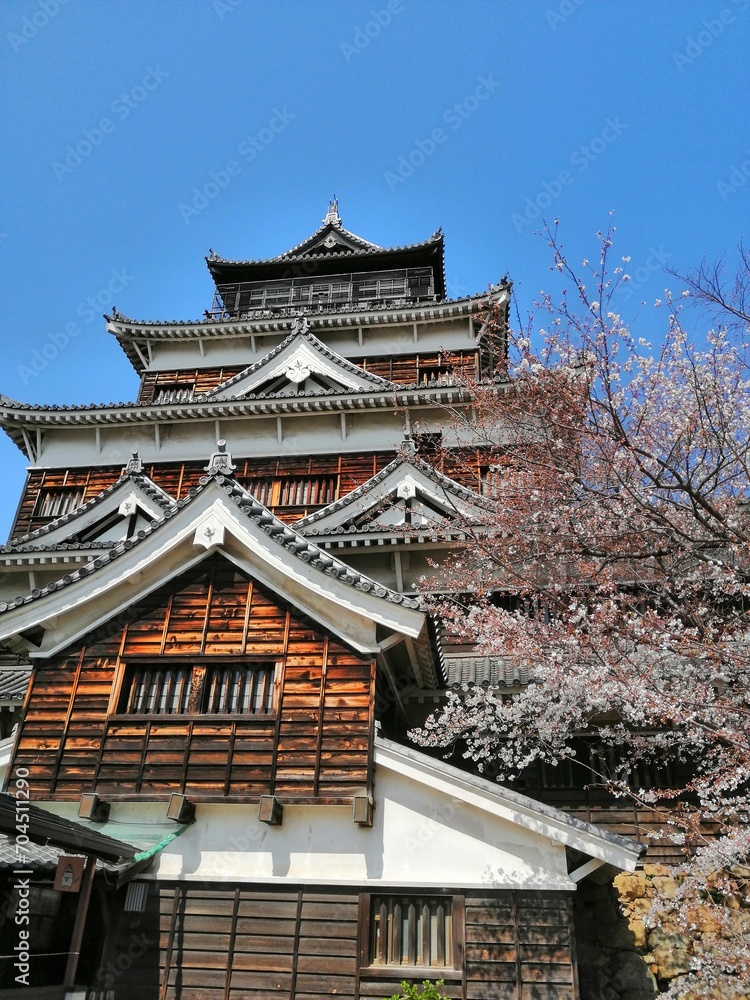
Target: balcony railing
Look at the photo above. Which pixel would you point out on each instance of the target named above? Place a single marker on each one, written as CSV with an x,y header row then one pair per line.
x,y
330,293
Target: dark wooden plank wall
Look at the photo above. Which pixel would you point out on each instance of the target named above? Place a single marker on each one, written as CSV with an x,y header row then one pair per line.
x,y
219,941
519,946
420,368
177,479
198,379
317,747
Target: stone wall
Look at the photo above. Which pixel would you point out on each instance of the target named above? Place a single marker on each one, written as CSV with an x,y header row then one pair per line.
x,y
621,958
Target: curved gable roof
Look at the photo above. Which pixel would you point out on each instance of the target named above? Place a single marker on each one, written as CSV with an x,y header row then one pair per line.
x,y
217,516
406,478
132,491
301,351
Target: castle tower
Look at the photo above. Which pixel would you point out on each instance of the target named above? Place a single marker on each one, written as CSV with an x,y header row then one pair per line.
x,y
213,589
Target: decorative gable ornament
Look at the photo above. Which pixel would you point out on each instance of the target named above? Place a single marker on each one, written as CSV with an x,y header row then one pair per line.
x,y
298,371
220,462
210,533
135,465
300,324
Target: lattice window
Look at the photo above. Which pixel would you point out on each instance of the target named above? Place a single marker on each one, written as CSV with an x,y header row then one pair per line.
x,y
56,502
414,931
220,689
314,490
296,491
178,392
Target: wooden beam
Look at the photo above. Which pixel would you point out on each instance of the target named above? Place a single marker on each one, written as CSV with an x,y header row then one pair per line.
x,y
583,870
84,898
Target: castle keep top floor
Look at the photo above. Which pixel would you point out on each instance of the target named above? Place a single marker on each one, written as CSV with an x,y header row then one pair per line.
x,y
316,354
383,309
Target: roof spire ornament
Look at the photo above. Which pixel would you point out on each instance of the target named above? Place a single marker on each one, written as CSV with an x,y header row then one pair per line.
x,y
220,462
134,464
333,212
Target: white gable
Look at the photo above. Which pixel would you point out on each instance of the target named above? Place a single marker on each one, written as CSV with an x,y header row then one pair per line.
x,y
119,512
405,494
300,364
350,605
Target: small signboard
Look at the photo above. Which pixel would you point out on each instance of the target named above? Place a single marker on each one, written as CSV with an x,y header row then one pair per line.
x,y
69,873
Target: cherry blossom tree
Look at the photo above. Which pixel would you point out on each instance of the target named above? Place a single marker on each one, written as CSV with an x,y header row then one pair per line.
x,y
612,561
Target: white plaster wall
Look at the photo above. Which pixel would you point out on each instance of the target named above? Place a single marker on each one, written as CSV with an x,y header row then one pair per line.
x,y
418,838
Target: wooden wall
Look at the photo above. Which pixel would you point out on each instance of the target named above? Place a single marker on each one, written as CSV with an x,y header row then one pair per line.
x,y
198,379
211,942
177,479
403,369
316,747
519,946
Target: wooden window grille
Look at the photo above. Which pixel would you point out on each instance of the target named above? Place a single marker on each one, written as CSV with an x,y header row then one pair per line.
x,y
297,491
261,489
415,931
179,392
222,689
56,502
308,490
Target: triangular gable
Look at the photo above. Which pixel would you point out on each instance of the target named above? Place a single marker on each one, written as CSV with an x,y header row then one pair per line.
x,y
119,512
298,365
219,516
331,237
495,800
408,493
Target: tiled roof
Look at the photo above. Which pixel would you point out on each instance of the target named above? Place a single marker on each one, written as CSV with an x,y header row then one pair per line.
x,y
33,856
140,479
277,316
484,671
307,524
365,247
279,532
13,683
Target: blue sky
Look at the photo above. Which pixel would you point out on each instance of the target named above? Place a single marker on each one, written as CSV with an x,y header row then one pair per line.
x,y
138,134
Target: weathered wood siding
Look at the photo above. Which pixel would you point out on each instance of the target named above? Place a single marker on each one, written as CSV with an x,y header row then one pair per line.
x,y
210,942
404,369
196,379
264,477
519,946
176,479
317,746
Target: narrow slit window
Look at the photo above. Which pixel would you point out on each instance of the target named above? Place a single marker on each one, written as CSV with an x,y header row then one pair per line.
x,y
411,931
221,689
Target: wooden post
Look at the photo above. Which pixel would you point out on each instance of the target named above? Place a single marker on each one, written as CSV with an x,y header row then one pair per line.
x,y
76,940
